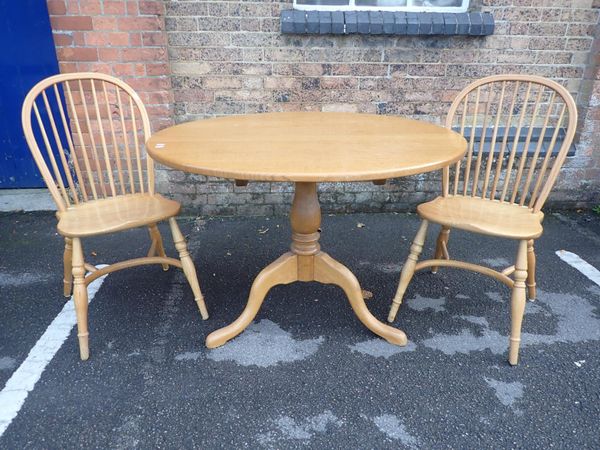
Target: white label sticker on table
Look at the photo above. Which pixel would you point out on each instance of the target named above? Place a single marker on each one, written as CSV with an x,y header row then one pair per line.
x,y
159,146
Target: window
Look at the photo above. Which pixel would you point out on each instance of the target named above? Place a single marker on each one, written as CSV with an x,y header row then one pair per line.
x,y
526,142
451,6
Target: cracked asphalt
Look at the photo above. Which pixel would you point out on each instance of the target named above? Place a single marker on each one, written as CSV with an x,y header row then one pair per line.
x,y
306,374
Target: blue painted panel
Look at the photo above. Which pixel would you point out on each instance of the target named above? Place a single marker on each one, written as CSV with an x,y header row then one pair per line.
x,y
27,55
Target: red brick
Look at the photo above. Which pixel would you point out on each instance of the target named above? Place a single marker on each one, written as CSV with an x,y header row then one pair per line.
x,y
105,23
147,97
143,54
78,38
139,69
101,38
139,23
57,7
109,54
160,97
151,7
150,83
90,7
160,110
71,23
157,69
132,8
62,40
114,7
77,54
152,39
67,66
135,39
72,7
123,69
97,67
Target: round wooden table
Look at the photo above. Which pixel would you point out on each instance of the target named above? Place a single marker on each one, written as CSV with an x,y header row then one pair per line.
x,y
306,148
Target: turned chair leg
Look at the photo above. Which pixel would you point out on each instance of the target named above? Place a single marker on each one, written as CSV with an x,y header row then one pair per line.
x,y
80,297
68,267
188,266
442,242
157,244
517,303
408,269
531,291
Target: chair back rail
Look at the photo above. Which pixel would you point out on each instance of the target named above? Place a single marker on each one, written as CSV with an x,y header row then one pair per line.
x,y
86,132
519,129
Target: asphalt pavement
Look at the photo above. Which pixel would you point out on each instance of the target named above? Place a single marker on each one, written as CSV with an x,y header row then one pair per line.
x,y
306,373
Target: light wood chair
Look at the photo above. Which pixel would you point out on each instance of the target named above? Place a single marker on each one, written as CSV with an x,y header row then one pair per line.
x,y
92,128
519,130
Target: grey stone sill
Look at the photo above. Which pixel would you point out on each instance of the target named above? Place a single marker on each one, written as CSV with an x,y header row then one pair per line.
x,y
295,21
26,200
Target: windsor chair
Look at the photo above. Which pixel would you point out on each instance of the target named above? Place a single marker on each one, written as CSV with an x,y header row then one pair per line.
x,y
519,129
99,176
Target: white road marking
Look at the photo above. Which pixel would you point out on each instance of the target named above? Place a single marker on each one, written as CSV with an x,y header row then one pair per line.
x,y
583,266
23,380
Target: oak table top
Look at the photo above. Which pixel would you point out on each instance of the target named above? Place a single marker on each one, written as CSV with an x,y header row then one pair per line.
x,y
306,148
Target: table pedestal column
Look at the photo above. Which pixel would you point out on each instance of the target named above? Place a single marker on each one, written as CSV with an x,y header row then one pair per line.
x,y
305,262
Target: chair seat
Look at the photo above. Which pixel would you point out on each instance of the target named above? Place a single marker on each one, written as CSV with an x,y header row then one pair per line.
x,y
115,214
483,216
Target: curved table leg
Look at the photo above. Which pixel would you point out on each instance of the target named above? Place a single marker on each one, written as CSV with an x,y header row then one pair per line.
x,y
305,262
330,271
283,270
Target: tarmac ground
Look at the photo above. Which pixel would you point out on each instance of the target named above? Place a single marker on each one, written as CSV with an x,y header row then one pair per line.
x,y
306,373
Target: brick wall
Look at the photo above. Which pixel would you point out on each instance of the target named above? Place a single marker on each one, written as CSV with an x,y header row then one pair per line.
x,y
228,57
581,178
124,38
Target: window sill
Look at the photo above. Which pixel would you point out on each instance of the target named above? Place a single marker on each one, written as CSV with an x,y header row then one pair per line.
x,y
295,21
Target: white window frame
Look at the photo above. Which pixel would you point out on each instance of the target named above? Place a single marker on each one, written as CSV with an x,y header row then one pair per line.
x,y
351,6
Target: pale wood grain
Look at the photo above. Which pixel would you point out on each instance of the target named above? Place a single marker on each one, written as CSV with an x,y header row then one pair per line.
x,y
281,271
111,206
68,267
305,262
531,262
499,276
307,146
441,246
112,214
80,298
157,247
517,303
328,270
135,262
507,204
408,269
188,266
483,216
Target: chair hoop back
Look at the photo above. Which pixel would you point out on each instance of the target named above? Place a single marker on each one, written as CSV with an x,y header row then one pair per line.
x,y
515,126
92,128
